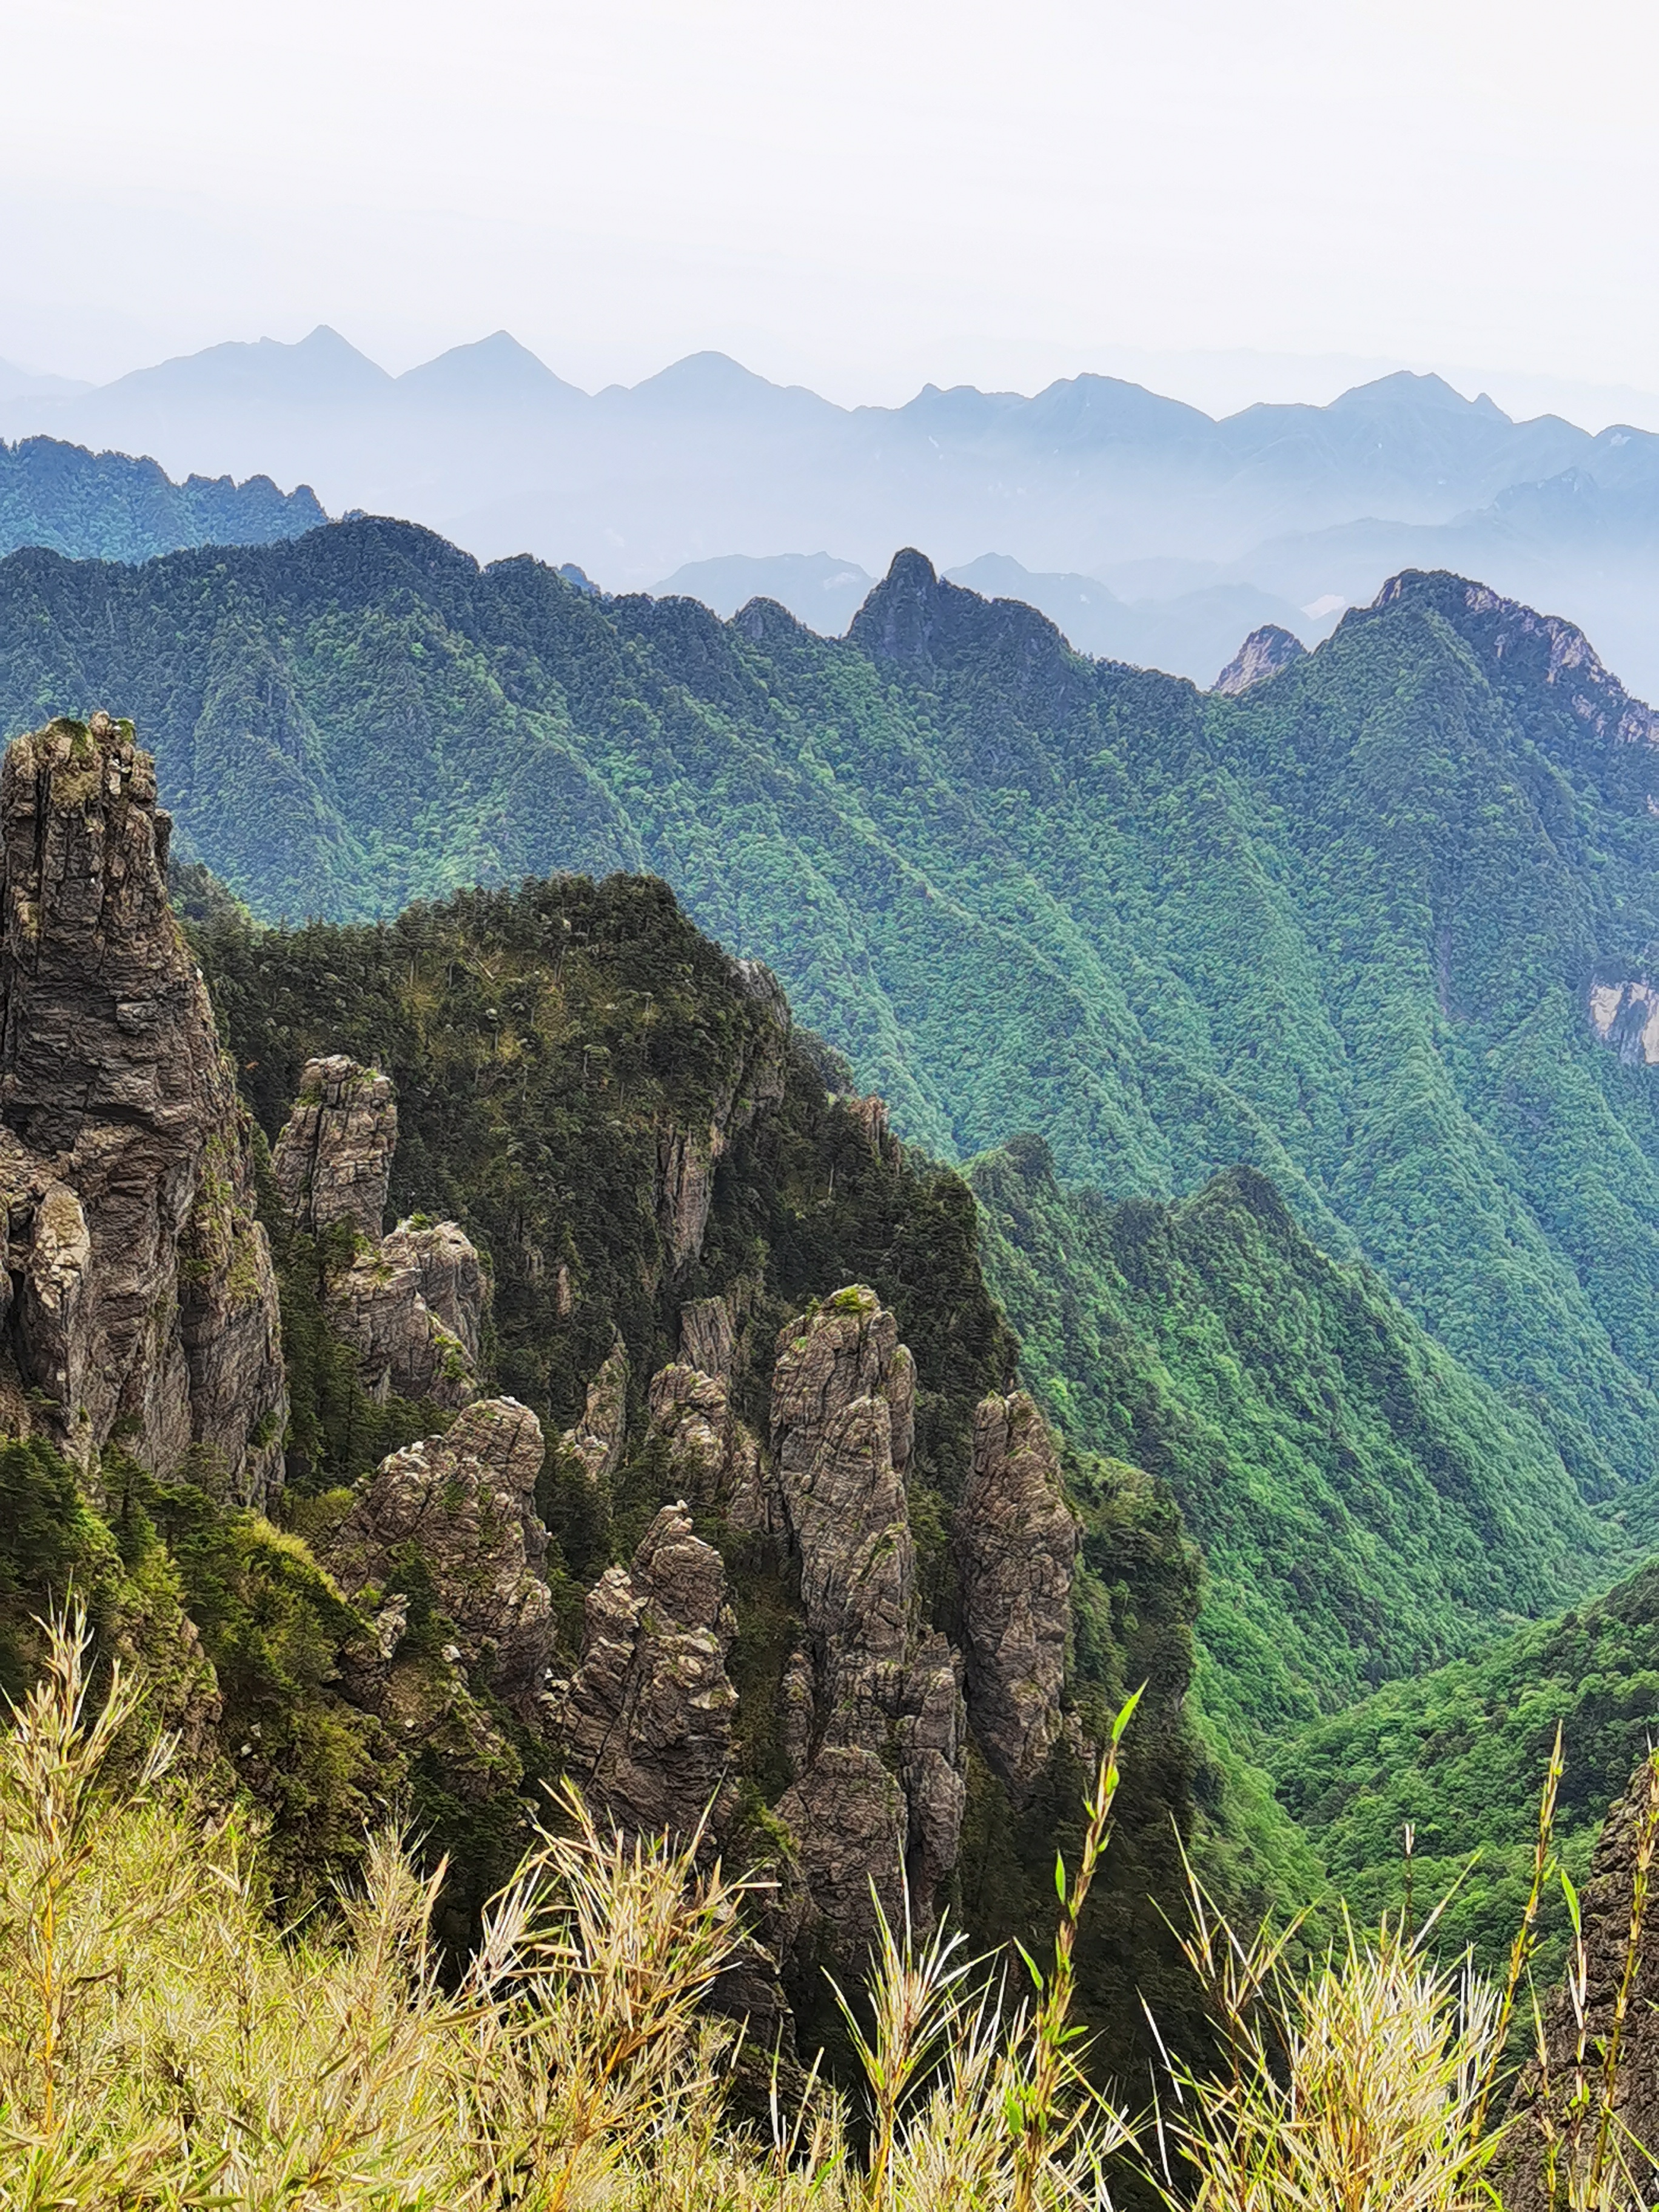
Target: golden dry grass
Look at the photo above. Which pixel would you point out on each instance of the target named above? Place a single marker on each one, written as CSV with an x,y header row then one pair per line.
x,y
163,2044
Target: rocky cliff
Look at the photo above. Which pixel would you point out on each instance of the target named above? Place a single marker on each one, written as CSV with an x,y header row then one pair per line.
x,y
463,1504
795,1555
874,1704
410,1304
1262,655
1016,1550
646,1721
137,1293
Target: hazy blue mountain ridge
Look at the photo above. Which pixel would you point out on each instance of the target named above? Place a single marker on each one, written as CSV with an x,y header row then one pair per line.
x,y
108,507
707,462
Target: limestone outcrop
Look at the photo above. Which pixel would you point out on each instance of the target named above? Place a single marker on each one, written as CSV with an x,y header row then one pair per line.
x,y
708,1338
873,1706
686,1158
1015,1551
1262,655
410,1304
332,1161
137,1286
465,1504
712,1456
646,1720
883,1787
1626,1016
596,1441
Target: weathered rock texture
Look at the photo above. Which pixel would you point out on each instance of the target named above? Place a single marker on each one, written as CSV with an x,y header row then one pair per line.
x,y
455,1286
411,1304
465,1505
1626,1016
646,1720
596,1441
686,1158
333,1159
1262,655
882,1788
136,1286
1538,2106
1016,1551
712,1456
709,1337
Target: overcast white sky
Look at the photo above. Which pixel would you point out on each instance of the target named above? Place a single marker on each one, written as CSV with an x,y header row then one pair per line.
x,y
1229,197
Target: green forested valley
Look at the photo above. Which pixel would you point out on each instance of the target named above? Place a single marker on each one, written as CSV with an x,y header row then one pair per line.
x,y
1365,1506
1341,928
1264,1029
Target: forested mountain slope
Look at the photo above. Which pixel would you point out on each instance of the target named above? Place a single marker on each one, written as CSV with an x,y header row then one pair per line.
x,y
1365,1507
670,1439
1462,1754
1343,927
108,507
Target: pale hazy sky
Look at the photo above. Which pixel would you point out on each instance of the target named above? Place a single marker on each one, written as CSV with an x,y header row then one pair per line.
x,y
1279,194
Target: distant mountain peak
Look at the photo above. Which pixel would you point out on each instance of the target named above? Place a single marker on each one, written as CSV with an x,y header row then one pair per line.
x,y
1546,649
1262,655
487,370
1418,391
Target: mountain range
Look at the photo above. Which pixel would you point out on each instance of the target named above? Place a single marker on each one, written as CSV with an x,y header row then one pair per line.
x,y
780,1052
1379,928
1295,510
108,507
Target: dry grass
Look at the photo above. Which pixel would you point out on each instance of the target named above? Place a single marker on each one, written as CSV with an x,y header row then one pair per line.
x,y
164,2044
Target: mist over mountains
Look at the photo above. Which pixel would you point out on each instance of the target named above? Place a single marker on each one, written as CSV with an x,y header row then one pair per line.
x,y
1148,531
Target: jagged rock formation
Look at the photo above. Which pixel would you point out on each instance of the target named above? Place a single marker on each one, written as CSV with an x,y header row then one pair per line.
x,y
686,1158
137,1286
1541,2100
378,1302
1262,655
332,1161
871,1114
711,1454
1552,651
1016,1549
646,1720
596,1441
464,1503
708,1338
454,1283
411,1304
1626,1016
873,1721
882,1788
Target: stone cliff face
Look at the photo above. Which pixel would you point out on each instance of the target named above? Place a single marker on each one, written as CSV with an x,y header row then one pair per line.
x,y
464,1504
1015,1547
646,1721
596,1441
1262,655
332,1161
410,1304
1625,1017
874,1706
686,1158
137,1286
881,1793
